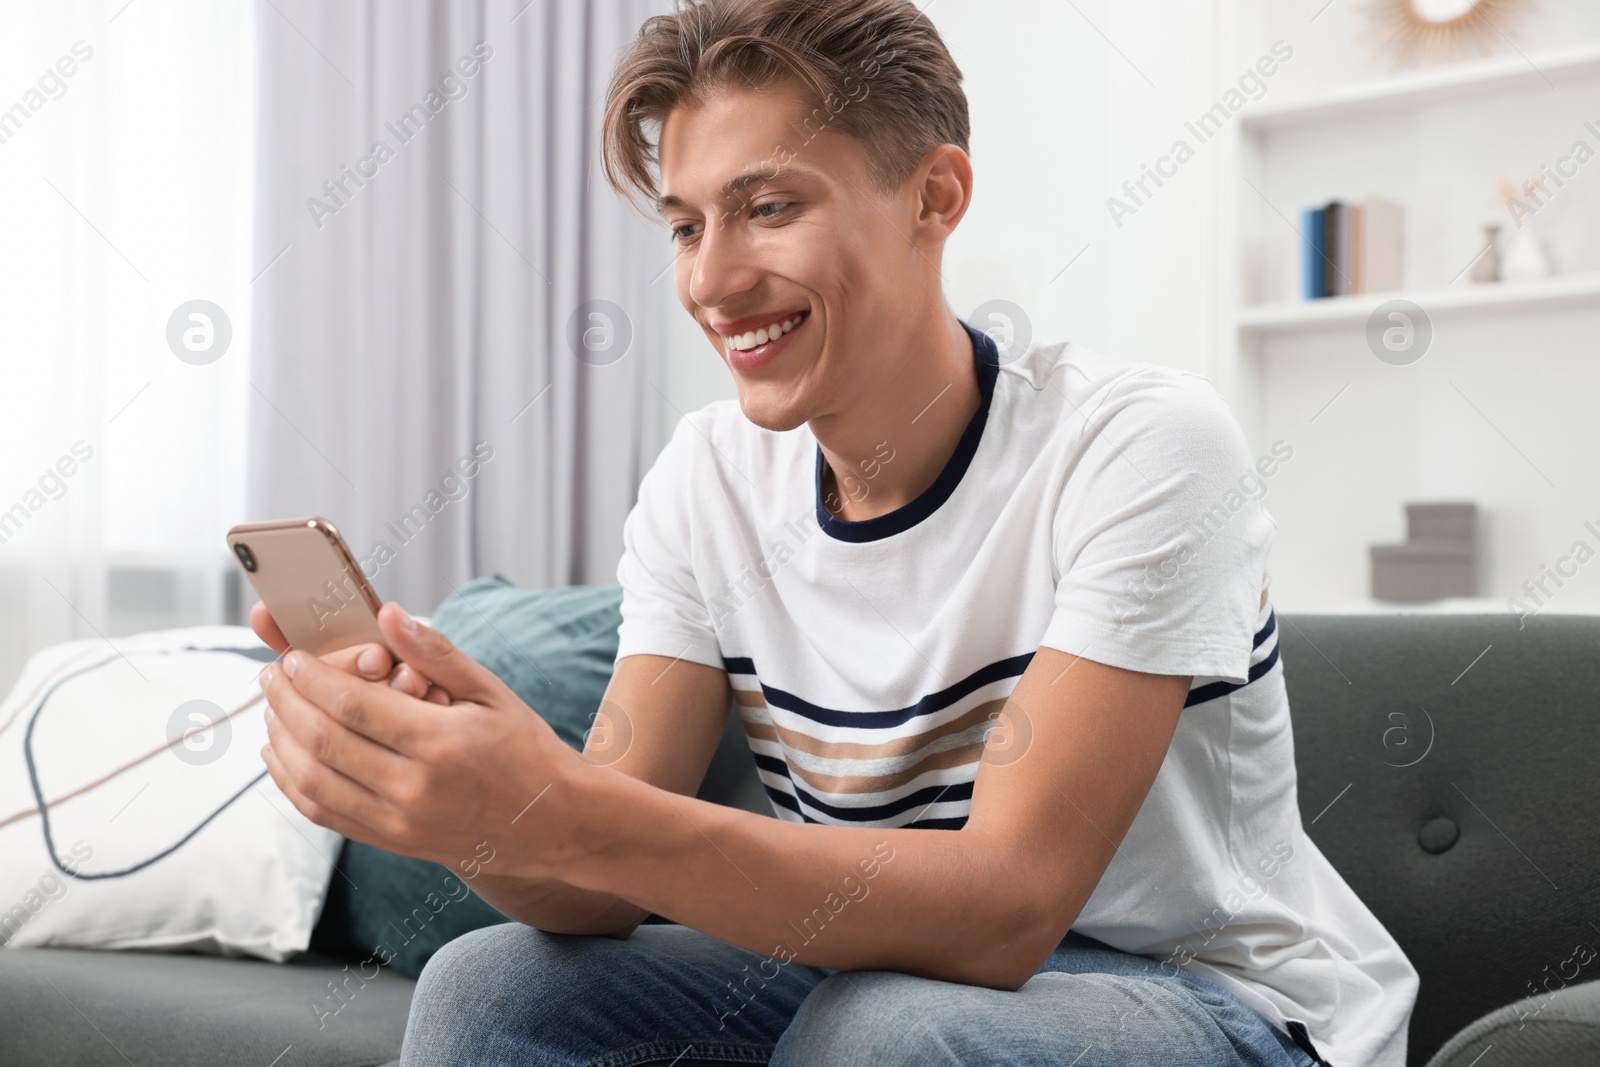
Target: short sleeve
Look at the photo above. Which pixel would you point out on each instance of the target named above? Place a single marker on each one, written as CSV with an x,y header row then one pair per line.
x,y
663,612
1160,538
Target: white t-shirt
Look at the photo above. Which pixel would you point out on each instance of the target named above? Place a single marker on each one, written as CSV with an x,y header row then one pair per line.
x,y
1106,508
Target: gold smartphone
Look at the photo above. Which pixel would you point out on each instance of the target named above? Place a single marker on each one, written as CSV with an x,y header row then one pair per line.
x,y
310,581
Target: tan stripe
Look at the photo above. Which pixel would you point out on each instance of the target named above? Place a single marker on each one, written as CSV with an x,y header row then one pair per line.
x,y
878,783
193,731
750,698
893,747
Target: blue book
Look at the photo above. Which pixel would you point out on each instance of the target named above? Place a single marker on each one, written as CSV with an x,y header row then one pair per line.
x,y
1316,264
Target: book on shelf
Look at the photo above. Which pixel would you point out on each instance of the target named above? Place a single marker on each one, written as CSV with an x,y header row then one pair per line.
x,y
1311,249
1383,248
1352,248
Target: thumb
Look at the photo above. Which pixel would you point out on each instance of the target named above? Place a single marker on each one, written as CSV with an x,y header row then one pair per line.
x,y
432,655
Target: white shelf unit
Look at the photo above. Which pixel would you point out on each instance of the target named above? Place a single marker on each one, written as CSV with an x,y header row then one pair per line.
x,y
1562,290
1258,193
1469,80
1494,412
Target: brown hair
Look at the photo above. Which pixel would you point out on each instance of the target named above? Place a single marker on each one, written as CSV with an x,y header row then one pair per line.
x,y
875,69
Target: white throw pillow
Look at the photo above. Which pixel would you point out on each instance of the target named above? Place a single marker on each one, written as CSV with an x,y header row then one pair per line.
x,y
161,827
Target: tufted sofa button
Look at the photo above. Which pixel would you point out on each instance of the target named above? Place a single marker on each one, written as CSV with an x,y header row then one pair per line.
x,y
1437,835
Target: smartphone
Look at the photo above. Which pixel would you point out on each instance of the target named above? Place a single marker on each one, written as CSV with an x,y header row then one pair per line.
x,y
311,583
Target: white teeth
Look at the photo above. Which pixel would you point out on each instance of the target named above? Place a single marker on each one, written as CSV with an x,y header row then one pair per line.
x,y
751,338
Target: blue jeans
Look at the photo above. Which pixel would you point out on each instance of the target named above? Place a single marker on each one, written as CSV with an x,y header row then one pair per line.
x,y
512,994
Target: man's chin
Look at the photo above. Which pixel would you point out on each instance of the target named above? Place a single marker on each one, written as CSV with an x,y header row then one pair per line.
x,y
769,411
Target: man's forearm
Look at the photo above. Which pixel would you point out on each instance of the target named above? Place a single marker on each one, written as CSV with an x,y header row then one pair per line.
x,y
555,906
943,904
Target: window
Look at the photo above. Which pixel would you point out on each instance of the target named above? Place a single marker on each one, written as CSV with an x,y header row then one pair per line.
x,y
126,170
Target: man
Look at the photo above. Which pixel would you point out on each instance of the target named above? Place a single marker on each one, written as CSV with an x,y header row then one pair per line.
x,y
996,627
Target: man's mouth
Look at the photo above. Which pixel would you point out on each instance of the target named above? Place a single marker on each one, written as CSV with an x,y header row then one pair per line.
x,y
753,339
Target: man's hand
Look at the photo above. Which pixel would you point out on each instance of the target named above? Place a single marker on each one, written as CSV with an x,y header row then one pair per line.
x,y
369,661
452,784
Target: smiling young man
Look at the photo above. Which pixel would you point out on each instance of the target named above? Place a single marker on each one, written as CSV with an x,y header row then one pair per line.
x,y
996,626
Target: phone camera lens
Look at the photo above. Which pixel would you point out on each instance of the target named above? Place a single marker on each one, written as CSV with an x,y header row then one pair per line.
x,y
242,550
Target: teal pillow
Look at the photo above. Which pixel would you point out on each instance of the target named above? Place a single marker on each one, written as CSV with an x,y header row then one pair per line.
x,y
555,648
395,910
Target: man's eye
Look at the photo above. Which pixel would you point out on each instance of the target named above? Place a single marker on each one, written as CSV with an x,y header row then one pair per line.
x,y
779,205
680,233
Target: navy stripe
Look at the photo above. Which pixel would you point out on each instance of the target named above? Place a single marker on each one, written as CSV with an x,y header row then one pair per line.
x,y
1012,667
1222,689
784,800
986,358
771,763
923,797
993,672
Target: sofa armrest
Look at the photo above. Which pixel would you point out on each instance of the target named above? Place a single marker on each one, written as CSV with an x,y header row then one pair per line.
x,y
1557,1029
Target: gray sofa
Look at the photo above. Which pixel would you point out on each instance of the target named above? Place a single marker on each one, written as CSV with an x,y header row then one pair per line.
x,y
1446,768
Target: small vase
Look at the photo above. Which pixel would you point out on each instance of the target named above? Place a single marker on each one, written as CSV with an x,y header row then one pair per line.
x,y
1525,259
1487,268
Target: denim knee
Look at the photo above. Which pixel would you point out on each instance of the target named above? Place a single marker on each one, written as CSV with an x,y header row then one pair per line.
x,y
887,1019
512,994
868,1019
471,968
475,986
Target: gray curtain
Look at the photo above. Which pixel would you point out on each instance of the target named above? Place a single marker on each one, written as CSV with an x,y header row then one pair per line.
x,y
456,319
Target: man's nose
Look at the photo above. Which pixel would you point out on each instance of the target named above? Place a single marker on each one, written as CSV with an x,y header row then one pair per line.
x,y
724,264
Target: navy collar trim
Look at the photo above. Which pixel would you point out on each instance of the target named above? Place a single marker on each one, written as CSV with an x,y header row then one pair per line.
x,y
986,358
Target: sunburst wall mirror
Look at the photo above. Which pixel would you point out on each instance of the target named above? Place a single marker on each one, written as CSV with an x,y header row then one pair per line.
x,y
1426,32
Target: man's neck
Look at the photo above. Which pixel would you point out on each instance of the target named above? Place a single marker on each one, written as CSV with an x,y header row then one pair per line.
x,y
888,447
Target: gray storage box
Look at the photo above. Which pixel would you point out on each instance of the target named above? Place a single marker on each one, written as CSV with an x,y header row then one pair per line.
x,y
1438,559
1428,570
1456,522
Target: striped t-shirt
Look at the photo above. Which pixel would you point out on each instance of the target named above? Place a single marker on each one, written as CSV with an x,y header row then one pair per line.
x,y
1106,508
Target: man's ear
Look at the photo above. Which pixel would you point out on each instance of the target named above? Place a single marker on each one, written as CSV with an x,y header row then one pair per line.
x,y
944,184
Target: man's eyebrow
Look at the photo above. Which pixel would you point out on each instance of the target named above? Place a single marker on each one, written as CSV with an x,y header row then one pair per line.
x,y
741,184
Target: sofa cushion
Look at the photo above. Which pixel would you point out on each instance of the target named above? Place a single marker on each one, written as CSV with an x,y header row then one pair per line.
x,y
1558,1029
1445,765
139,845
90,1008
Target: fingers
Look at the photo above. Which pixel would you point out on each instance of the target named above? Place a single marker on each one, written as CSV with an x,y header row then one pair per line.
x,y
332,793
309,737
266,628
369,661
430,653
378,714
411,682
